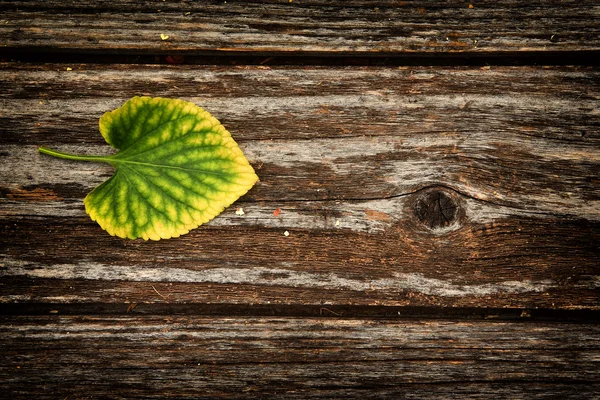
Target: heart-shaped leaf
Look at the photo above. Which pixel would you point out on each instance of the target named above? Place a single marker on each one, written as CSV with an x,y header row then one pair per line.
x,y
177,168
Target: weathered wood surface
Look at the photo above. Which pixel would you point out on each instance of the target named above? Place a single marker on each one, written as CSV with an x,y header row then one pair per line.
x,y
349,156
385,27
289,358
443,222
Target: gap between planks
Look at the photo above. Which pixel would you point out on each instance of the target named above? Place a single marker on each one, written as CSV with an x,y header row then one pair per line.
x,y
326,311
305,59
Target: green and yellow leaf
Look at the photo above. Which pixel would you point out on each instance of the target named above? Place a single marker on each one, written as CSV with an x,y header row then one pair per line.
x,y
177,168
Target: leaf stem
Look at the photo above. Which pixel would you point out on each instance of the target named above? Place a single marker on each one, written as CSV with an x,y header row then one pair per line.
x,y
54,153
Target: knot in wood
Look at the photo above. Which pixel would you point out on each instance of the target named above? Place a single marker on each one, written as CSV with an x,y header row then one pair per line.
x,y
436,209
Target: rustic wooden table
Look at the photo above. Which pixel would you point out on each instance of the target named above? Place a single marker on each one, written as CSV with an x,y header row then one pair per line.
x,y
435,165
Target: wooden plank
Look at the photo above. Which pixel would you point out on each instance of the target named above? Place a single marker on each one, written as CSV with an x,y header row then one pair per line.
x,y
448,125
385,27
191,357
352,157
499,268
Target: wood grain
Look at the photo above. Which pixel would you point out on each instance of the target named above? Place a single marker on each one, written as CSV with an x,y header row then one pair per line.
x,y
191,357
346,155
487,265
418,232
385,27
373,132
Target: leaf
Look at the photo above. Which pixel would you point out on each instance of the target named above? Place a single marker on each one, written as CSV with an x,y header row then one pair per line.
x,y
177,168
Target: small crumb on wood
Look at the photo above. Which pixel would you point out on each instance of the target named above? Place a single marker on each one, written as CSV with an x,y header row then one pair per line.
x,y
239,211
286,233
277,212
69,69
163,36
470,5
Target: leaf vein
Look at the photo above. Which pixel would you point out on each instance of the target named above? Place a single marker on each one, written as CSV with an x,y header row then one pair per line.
x,y
161,191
